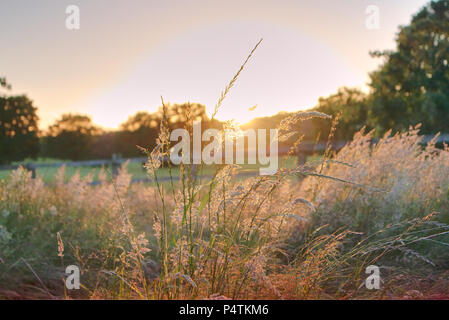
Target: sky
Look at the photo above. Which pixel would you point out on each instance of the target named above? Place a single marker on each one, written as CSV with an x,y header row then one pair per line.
x,y
127,54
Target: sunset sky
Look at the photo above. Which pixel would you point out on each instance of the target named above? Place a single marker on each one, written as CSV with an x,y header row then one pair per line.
x,y
127,54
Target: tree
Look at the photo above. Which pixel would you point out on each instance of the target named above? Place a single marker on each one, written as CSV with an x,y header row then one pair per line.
x,y
351,102
18,128
140,129
140,120
353,105
412,85
4,83
71,137
143,128
182,115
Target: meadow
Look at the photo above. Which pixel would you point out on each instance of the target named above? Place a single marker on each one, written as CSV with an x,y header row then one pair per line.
x,y
48,174
306,232
136,170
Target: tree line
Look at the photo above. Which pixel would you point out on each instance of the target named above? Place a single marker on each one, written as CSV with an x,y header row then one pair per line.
x,y
75,137
410,86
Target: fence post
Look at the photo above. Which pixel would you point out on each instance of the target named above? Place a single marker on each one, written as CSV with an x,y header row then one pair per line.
x,y
31,168
300,161
301,158
115,164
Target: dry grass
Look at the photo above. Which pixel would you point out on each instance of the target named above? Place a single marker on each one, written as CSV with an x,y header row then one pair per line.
x,y
303,233
263,237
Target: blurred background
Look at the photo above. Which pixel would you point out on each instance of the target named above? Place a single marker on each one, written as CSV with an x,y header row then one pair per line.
x,y
94,90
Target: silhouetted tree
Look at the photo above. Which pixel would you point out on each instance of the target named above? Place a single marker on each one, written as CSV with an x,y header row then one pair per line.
x,y
182,115
18,128
353,105
104,145
140,129
412,85
143,128
71,137
4,83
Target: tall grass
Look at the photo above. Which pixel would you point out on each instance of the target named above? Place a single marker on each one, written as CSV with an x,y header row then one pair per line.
x,y
304,232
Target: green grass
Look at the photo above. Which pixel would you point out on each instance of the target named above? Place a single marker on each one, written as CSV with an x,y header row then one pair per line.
x,y
48,174
135,169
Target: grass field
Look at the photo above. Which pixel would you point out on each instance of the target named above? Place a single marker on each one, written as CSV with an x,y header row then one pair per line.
x,y
258,237
48,173
306,232
136,170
